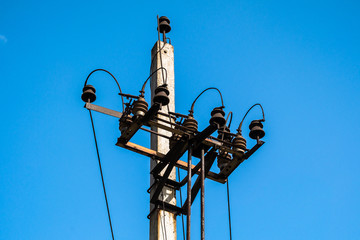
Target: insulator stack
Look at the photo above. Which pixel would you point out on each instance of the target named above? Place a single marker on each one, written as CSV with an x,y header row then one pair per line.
x,y
222,159
88,94
164,24
124,122
140,107
256,129
191,124
239,143
161,95
217,117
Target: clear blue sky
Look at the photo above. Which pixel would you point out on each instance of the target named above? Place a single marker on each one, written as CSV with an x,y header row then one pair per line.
x,y
300,59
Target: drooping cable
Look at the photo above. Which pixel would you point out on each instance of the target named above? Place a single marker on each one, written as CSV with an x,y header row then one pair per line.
x,y
100,69
228,200
144,85
262,110
230,115
181,204
101,173
193,104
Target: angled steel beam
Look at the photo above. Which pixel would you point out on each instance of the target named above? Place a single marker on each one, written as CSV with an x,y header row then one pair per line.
x,y
238,159
170,159
159,156
136,125
197,141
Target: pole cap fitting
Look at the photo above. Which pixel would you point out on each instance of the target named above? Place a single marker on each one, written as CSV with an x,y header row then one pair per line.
x,y
88,94
256,129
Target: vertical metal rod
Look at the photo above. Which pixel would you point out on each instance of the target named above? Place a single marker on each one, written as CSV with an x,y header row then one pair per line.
x,y
158,29
164,37
202,195
188,216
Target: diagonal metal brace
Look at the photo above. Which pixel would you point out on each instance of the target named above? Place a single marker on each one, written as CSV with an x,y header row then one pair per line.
x,y
237,160
197,140
173,155
171,158
136,125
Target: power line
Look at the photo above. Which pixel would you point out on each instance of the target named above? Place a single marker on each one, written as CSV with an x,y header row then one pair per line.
x,y
101,173
228,200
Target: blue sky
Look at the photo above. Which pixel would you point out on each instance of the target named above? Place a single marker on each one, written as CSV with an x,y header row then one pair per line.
x,y
301,60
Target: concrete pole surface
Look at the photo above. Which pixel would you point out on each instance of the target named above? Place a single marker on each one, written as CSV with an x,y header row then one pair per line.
x,y
163,223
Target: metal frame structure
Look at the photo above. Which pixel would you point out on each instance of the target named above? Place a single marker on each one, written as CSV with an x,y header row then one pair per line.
x,y
209,146
228,148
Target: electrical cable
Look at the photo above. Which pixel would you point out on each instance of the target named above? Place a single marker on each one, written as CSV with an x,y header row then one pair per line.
x,y
228,199
144,85
262,110
231,117
100,69
101,173
230,114
192,105
181,204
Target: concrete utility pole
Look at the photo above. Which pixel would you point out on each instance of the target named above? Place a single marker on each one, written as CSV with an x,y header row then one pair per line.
x,y
163,223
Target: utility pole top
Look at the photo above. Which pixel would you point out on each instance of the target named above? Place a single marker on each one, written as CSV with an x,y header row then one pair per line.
x,y
173,134
163,27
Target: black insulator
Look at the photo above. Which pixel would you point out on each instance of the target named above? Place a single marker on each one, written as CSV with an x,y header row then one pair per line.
x,y
140,107
256,129
88,94
124,122
239,143
223,159
161,95
217,117
191,124
164,24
